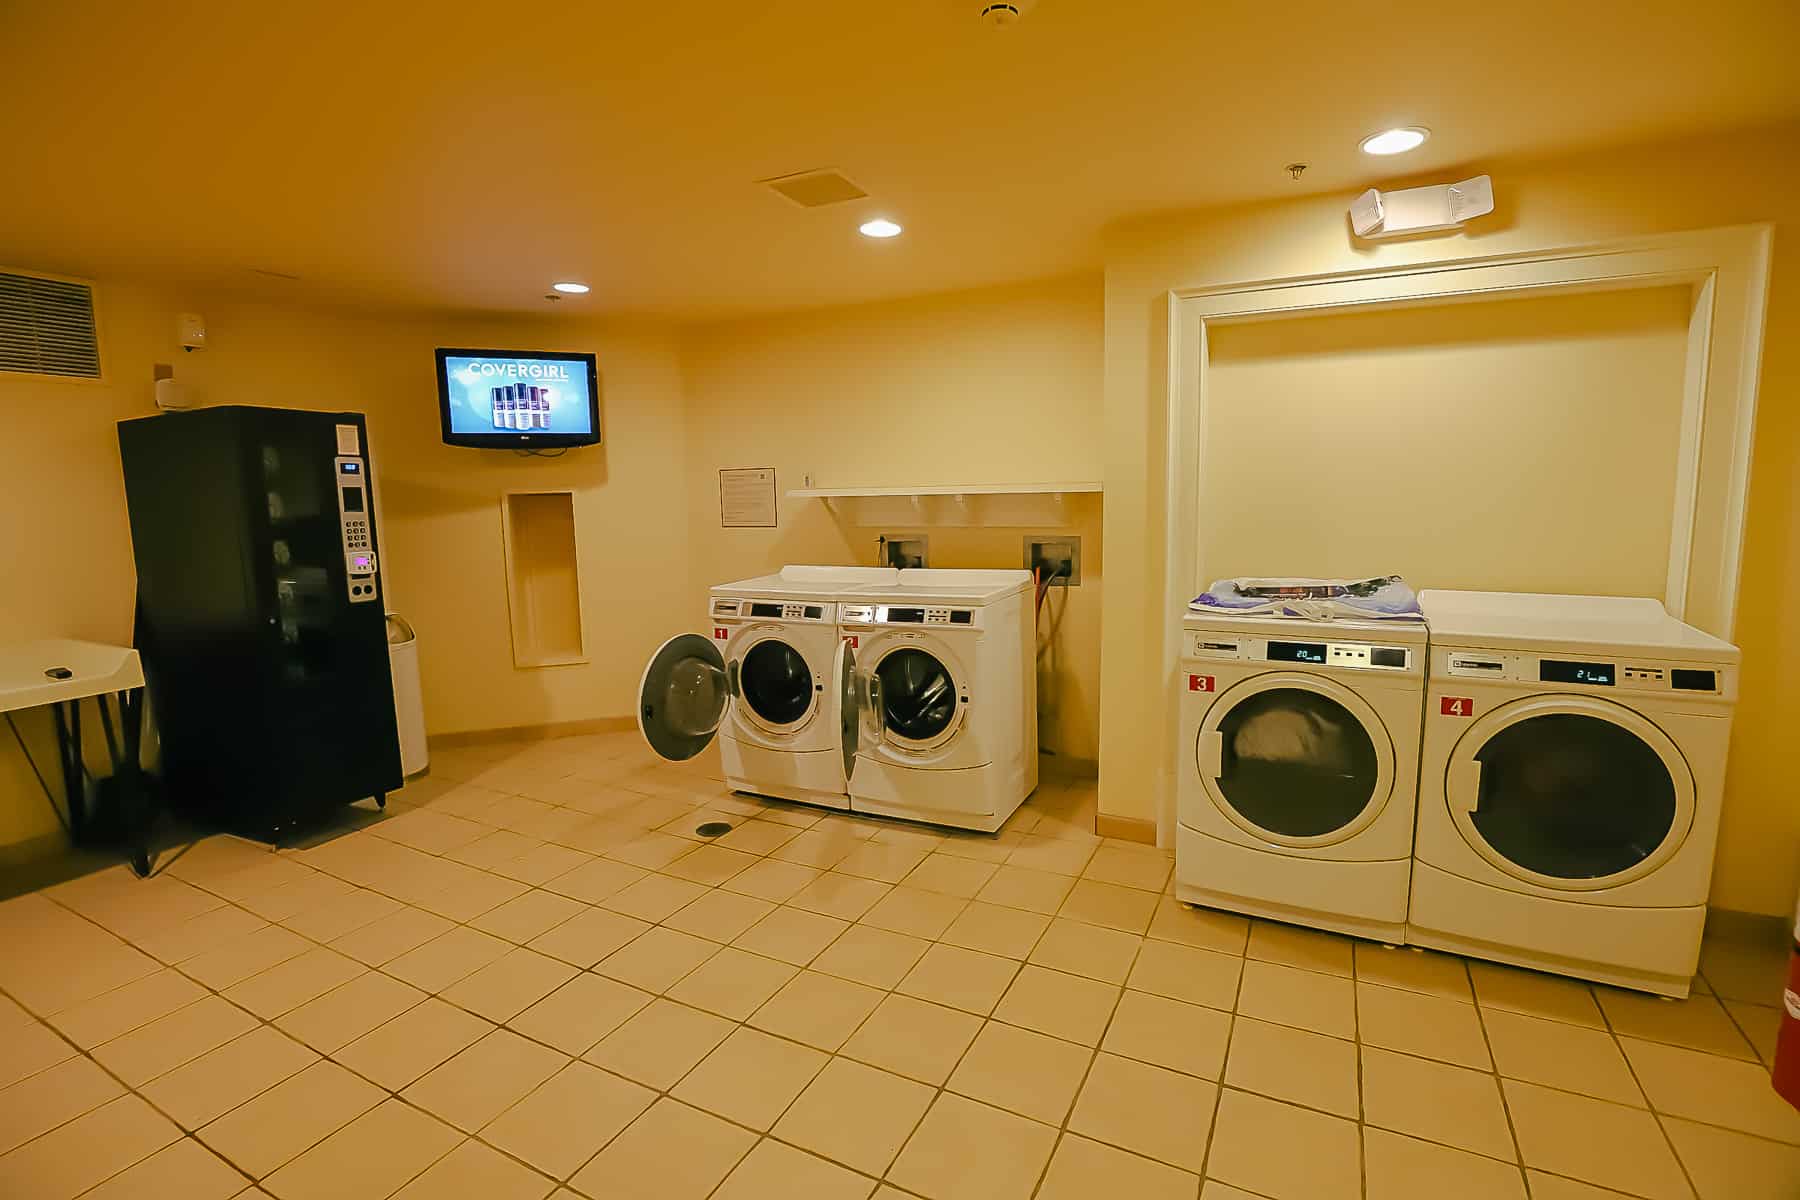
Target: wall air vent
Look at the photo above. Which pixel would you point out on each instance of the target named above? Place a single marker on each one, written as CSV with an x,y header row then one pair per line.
x,y
815,189
47,327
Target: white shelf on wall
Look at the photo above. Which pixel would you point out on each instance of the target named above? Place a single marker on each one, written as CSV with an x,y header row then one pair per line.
x,y
948,489
1021,504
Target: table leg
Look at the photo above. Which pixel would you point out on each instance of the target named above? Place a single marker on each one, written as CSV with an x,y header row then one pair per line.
x,y
68,746
131,723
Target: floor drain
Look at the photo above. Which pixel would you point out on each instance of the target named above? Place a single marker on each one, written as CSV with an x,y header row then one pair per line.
x,y
713,829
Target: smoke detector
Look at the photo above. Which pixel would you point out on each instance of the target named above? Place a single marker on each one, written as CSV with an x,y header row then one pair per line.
x,y
1002,14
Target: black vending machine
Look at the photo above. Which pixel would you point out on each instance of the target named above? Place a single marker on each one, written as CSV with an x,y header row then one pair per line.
x,y
260,619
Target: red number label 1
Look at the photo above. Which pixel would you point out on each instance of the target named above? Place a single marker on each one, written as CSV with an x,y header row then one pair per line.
x,y
720,633
1456,706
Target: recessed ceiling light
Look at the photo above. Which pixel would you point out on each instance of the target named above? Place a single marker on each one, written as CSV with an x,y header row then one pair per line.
x,y
571,289
1395,141
880,227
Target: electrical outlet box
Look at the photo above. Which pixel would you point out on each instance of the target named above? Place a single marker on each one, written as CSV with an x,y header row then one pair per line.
x,y
904,551
1059,557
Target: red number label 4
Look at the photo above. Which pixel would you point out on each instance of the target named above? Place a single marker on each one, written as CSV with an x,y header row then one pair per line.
x,y
1456,706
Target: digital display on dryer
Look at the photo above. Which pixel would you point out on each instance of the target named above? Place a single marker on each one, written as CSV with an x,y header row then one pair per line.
x,y
1554,670
765,610
1300,652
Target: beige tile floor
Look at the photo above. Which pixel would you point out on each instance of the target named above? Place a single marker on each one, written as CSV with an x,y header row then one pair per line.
x,y
529,978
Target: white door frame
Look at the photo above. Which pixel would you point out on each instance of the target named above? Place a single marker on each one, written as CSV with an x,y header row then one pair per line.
x,y
1727,273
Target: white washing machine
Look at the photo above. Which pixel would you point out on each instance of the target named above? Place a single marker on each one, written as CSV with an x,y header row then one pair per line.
x,y
1570,785
773,682
1300,750
947,663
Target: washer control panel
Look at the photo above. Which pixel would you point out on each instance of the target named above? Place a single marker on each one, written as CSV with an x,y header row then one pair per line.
x,y
774,610
356,527
903,614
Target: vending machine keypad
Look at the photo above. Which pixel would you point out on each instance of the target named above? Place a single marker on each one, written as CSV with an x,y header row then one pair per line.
x,y
353,515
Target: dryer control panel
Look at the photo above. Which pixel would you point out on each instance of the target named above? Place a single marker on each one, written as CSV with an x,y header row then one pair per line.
x,y
1355,656
1597,672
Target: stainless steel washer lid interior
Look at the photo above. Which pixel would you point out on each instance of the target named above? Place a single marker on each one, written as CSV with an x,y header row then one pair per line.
x,y
1295,758
1570,792
682,697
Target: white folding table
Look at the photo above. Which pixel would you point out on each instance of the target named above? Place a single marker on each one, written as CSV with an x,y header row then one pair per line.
x,y
60,674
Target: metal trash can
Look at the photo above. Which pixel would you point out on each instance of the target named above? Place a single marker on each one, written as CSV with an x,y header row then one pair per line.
x,y
409,699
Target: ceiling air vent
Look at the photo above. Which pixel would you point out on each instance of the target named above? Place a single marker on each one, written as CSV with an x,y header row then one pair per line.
x,y
815,189
47,327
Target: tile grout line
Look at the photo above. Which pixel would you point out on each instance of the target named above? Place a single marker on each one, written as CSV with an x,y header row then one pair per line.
x,y
181,1132
1094,1051
1212,1128
1487,1041
1656,1116
225,901
745,1023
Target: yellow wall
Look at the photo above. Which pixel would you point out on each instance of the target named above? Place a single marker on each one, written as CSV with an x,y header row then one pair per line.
x,y
1752,176
440,515
1378,442
993,386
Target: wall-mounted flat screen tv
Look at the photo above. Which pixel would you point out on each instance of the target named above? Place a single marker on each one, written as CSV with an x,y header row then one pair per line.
x,y
518,399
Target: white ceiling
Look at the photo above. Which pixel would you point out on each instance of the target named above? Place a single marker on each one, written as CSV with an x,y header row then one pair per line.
x,y
457,155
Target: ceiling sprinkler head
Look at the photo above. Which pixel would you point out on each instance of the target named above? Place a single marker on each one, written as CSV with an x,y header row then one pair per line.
x,y
1003,14
1296,170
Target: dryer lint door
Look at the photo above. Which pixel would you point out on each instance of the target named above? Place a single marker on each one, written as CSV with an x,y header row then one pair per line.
x,y
1295,759
1570,792
683,696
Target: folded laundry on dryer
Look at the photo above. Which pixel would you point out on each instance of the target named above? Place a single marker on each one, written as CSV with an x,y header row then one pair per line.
x,y
1382,597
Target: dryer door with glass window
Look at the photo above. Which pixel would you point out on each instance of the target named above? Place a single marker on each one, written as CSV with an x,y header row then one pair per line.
x,y
1295,759
775,683
682,697
915,696
1570,792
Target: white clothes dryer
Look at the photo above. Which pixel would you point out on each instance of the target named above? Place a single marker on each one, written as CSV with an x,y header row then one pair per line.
x,y
1299,764
947,668
1570,785
773,683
